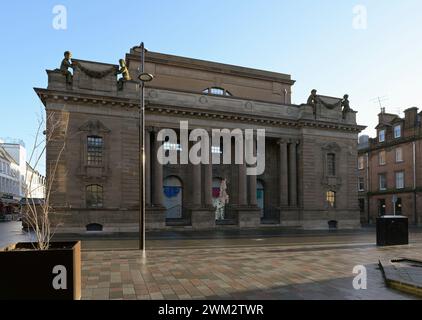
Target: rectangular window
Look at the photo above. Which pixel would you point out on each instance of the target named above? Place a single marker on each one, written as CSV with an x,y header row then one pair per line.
x,y
381,158
361,163
361,186
382,182
94,196
397,131
95,150
331,199
381,135
400,180
331,164
399,155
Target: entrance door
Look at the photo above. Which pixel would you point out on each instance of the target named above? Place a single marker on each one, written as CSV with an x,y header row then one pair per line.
x,y
381,207
260,195
173,197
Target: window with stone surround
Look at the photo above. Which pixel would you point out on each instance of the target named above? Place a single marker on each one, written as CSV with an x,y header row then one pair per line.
x,y
331,164
361,163
95,145
397,131
94,196
382,182
331,199
382,158
399,155
381,135
361,184
400,180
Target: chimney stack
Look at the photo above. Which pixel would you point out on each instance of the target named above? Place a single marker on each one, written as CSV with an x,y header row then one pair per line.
x,y
410,117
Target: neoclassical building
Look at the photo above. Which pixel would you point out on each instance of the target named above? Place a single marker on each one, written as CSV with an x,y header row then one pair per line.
x,y
310,173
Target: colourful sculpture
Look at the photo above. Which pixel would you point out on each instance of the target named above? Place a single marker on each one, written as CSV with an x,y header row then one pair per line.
x,y
124,71
221,201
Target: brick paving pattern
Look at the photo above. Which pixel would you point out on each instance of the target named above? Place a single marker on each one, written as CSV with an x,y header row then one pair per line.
x,y
259,272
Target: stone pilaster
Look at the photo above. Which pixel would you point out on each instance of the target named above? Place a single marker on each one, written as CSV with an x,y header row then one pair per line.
x,y
158,173
283,174
242,181
208,181
148,166
293,173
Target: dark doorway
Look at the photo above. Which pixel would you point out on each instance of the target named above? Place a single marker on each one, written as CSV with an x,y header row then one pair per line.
x,y
381,207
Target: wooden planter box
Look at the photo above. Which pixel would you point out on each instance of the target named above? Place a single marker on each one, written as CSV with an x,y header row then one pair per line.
x,y
28,274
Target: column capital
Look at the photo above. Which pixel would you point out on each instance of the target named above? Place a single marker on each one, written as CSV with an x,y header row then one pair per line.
x,y
149,129
282,141
155,129
294,141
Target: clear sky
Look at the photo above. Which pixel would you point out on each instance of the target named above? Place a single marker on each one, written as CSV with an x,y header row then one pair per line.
x,y
323,44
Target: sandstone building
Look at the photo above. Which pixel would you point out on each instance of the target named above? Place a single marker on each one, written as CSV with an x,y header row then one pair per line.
x,y
311,151
390,168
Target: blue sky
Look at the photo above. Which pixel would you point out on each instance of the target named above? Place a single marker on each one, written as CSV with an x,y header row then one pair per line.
x,y
314,41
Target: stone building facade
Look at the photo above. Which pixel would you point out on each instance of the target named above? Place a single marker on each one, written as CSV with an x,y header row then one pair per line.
x,y
311,151
390,168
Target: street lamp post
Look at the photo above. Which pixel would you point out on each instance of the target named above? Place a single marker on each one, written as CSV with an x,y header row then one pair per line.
x,y
143,77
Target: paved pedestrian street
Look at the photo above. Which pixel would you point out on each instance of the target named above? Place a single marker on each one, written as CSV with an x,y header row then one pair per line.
x,y
285,272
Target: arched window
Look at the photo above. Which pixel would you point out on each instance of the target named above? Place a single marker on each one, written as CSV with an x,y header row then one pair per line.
x,y
94,196
331,199
331,164
95,146
217,91
173,197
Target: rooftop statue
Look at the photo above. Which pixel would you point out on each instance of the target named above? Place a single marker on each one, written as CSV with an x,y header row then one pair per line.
x,y
313,100
124,71
66,64
345,104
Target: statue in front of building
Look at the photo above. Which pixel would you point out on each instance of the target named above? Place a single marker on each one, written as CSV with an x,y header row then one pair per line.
x,y
345,104
124,71
66,64
222,200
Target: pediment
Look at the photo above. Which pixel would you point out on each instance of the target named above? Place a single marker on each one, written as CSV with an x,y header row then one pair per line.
x,y
94,126
332,146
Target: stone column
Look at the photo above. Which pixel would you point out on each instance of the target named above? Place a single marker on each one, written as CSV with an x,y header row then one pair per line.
x,y
283,174
253,201
196,185
208,181
293,174
243,201
148,166
158,173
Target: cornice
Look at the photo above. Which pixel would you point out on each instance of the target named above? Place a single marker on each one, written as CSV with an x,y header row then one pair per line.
x,y
77,97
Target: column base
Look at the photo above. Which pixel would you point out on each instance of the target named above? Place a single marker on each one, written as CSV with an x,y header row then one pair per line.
x,y
248,217
155,217
203,218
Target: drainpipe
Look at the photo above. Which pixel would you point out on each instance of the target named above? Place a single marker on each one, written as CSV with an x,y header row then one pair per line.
x,y
414,183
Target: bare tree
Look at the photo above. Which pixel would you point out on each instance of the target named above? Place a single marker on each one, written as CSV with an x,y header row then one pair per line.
x,y
37,213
